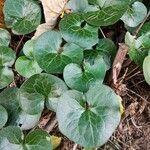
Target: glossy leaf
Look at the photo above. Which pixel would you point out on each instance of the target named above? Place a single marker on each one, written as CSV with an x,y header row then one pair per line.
x,y
90,119
23,16
146,69
3,116
51,56
82,77
7,58
39,88
107,12
4,37
135,14
74,29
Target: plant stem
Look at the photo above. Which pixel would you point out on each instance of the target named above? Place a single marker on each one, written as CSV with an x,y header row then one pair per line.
x,y
141,25
102,32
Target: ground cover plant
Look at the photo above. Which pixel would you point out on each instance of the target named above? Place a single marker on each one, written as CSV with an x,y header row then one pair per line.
x,y
69,62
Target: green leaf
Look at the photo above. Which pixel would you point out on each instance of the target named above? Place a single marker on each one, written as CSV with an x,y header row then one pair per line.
x,y
78,5
145,29
39,88
12,138
38,140
27,65
107,47
107,13
74,29
89,120
7,58
23,16
4,37
82,77
3,116
51,56
135,14
146,69
138,48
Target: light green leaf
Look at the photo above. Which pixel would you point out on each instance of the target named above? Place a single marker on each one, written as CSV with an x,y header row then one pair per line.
x,y
3,116
75,29
146,69
7,58
39,88
23,16
82,77
4,37
89,120
135,14
108,12
51,56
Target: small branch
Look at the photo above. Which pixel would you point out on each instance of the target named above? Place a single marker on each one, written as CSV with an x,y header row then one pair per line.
x,y
75,147
19,44
141,25
102,32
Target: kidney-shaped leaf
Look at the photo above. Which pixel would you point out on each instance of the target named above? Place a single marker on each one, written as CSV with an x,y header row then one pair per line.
x,y
135,14
23,16
12,138
3,116
51,56
75,29
39,88
109,13
89,119
82,77
7,58
4,37
27,65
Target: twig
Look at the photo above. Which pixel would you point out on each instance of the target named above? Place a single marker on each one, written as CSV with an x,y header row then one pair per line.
x,y
133,75
75,147
102,32
141,25
19,44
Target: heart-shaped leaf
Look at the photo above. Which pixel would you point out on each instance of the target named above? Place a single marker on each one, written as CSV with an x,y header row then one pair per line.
x,y
146,69
12,138
27,65
107,13
9,100
4,37
138,48
23,16
135,14
3,116
51,56
74,29
82,77
7,58
90,119
37,89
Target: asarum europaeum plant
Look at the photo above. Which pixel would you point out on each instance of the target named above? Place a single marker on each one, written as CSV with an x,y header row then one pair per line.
x,y
64,69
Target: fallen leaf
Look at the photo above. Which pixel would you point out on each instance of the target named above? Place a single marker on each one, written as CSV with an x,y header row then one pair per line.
x,y
52,10
55,141
2,23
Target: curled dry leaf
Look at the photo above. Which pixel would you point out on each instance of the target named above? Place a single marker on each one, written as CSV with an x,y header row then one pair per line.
x,y
52,10
2,24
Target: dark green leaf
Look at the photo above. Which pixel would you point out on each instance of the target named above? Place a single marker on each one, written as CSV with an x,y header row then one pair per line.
x,y
108,12
23,16
39,88
74,29
90,119
51,56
